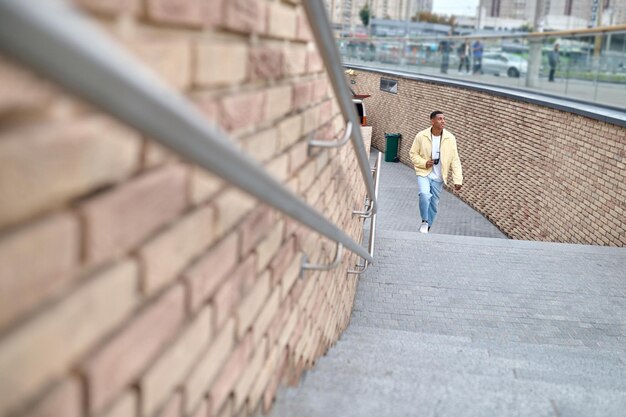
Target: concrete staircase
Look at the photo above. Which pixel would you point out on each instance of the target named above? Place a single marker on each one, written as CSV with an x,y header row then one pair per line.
x,y
456,326
465,322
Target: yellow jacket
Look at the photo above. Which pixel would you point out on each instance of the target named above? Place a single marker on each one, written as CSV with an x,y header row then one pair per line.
x,y
421,151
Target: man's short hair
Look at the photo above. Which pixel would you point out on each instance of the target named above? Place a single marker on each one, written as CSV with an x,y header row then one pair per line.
x,y
434,114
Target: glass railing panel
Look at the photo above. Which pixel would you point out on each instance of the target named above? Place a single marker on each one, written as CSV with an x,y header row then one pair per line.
x,y
587,67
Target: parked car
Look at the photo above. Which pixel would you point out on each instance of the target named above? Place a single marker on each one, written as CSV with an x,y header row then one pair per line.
x,y
501,63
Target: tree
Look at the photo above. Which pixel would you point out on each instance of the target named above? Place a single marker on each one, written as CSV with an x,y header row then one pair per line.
x,y
365,13
434,18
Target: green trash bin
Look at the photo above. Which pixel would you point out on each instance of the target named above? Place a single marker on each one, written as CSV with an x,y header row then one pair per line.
x,y
391,147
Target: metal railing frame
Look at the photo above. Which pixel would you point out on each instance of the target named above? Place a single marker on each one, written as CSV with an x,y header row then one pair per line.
x,y
361,267
325,40
519,35
55,40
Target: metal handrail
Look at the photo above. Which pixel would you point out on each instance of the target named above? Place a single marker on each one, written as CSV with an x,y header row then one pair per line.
x,y
552,34
306,266
55,40
323,33
370,246
333,143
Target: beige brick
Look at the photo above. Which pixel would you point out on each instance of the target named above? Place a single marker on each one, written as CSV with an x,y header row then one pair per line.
x,y
319,89
155,154
279,167
177,361
252,303
244,385
262,380
65,400
231,116
120,361
290,131
203,185
303,29
232,290
227,409
306,176
54,243
266,316
289,277
232,68
231,372
295,59
110,7
282,259
314,62
282,21
266,63
168,56
278,102
164,257
208,105
232,205
21,90
206,275
311,119
261,145
301,95
202,410
269,246
255,227
48,345
173,408
298,156
45,166
181,12
124,406
274,380
146,203
244,16
207,369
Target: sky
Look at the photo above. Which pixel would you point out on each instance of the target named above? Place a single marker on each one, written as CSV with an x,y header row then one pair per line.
x,y
455,7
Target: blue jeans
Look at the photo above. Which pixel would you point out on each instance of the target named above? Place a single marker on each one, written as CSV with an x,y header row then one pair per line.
x,y
429,192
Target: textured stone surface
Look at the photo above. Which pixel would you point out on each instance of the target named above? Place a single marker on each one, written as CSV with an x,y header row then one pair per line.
x,y
447,325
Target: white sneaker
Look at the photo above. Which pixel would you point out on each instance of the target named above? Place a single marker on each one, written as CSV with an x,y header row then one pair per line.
x,y
424,227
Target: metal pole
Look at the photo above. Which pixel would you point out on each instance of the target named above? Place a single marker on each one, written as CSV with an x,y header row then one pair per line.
x,y
318,20
534,50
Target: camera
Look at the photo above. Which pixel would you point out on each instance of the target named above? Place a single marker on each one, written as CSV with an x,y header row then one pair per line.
x,y
435,161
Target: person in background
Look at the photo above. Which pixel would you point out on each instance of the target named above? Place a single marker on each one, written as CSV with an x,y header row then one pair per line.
x,y
553,61
444,50
464,54
477,53
434,155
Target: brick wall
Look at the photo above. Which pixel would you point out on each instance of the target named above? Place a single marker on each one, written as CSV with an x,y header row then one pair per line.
x,y
136,284
536,172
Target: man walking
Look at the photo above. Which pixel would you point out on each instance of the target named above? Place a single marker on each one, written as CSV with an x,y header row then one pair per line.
x,y
477,54
434,154
553,61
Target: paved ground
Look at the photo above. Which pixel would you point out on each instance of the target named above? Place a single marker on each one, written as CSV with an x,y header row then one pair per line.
x,y
399,206
452,325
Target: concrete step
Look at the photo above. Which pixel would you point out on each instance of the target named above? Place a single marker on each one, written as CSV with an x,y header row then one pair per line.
x,y
578,366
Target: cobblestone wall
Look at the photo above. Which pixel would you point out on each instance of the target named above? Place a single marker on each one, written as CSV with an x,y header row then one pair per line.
x,y
537,173
134,283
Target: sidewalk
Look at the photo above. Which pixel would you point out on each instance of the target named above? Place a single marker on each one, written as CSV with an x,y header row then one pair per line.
x,y
399,206
445,325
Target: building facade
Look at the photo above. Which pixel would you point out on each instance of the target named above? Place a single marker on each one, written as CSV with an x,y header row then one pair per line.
x,y
554,14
